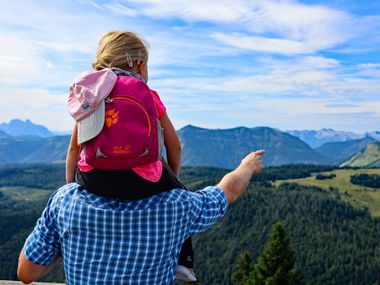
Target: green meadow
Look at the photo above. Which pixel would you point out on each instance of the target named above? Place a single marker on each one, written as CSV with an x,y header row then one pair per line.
x,y
356,195
22,198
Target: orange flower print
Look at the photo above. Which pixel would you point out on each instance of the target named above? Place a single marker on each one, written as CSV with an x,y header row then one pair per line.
x,y
111,117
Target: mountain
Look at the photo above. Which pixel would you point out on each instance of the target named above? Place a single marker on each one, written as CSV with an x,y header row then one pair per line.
x,y
341,151
222,148
318,138
22,128
225,148
52,150
33,149
201,147
4,135
367,158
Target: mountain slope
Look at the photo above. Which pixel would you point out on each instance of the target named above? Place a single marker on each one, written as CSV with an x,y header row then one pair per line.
x,y
32,149
52,150
341,151
367,158
225,148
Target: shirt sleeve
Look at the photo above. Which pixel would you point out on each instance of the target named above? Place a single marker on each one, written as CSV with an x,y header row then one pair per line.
x,y
42,245
159,105
208,206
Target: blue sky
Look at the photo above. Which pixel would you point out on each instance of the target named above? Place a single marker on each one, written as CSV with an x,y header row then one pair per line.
x,y
216,64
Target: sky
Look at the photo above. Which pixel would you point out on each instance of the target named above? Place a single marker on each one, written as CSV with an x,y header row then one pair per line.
x,y
290,65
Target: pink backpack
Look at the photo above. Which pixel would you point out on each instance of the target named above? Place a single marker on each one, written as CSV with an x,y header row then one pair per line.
x,y
132,134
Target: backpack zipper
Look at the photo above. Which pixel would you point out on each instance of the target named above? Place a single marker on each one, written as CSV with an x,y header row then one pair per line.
x,y
138,104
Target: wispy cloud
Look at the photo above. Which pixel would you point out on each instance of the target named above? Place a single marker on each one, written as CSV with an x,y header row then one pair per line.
x,y
297,28
281,46
122,9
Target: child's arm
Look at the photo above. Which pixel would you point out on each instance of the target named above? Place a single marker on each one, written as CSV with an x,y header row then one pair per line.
x,y
72,157
172,144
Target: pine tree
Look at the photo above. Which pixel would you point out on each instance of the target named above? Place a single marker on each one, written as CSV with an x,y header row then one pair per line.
x,y
245,266
275,265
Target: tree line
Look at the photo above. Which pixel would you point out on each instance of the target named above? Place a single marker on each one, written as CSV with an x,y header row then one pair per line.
x,y
364,179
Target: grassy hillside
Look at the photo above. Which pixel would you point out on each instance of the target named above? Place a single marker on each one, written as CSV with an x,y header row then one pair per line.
x,y
368,158
357,196
343,150
23,195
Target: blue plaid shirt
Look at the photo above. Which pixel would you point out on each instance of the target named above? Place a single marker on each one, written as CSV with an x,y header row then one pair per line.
x,y
109,241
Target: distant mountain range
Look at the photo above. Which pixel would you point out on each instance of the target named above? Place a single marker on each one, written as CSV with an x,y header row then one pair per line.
x,y
20,128
318,138
25,142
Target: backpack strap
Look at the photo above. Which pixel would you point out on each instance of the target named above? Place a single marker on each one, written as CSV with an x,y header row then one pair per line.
x,y
172,174
122,72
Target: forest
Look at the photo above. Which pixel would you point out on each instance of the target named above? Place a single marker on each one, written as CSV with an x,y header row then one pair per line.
x,y
333,242
369,180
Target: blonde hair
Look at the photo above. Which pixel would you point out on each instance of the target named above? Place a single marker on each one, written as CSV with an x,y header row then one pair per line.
x,y
121,50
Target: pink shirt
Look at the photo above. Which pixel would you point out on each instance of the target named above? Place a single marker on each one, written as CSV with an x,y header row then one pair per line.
x,y
152,171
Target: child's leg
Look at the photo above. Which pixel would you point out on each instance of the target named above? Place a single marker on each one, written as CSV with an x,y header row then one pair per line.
x,y
186,255
184,269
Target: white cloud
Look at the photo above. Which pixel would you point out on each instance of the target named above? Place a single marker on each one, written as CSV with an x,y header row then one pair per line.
x,y
319,62
299,81
39,105
90,3
121,9
298,28
281,46
369,65
223,11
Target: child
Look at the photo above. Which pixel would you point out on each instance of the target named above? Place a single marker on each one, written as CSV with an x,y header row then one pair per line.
x,y
127,55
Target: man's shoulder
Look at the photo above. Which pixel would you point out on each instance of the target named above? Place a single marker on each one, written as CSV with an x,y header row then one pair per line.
x,y
67,189
64,192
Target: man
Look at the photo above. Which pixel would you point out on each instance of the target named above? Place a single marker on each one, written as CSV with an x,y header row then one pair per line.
x,y
109,241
